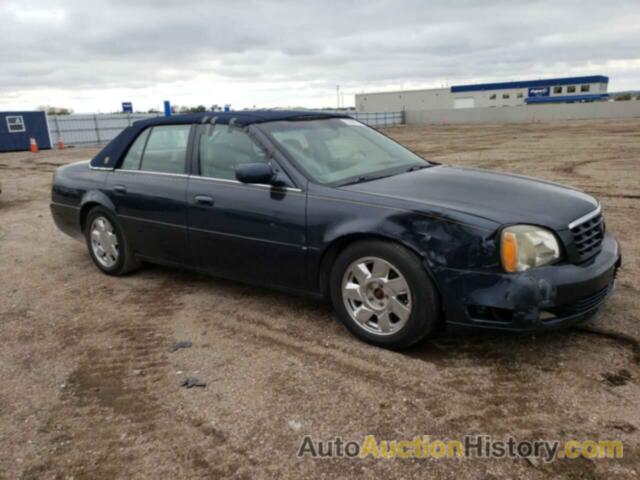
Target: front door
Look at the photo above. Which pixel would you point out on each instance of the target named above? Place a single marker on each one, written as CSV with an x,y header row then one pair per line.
x,y
253,233
149,193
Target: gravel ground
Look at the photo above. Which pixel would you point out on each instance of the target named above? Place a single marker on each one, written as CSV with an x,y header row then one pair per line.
x,y
90,389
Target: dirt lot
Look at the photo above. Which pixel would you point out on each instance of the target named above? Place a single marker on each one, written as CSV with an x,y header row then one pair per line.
x,y
90,389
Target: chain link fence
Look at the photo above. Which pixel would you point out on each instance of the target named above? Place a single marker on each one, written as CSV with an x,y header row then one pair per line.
x,y
90,129
99,129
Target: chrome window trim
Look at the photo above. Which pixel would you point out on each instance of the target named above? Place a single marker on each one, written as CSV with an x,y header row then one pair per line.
x,y
212,179
585,218
236,182
209,179
164,174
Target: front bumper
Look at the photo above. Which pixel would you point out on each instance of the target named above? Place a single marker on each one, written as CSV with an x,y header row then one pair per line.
x,y
538,299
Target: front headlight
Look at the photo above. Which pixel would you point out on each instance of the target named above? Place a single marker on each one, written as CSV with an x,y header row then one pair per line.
x,y
526,246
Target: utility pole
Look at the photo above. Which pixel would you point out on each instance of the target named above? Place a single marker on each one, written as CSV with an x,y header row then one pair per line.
x,y
338,95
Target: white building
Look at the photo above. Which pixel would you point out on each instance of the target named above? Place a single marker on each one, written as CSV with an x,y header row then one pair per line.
x,y
506,94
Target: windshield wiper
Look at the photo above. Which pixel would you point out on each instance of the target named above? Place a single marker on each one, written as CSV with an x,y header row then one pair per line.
x,y
363,179
369,178
417,167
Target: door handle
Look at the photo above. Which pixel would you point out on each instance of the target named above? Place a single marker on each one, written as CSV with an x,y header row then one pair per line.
x,y
120,189
204,200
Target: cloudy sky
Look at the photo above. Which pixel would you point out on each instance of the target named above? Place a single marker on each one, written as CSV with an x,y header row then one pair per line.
x,y
92,55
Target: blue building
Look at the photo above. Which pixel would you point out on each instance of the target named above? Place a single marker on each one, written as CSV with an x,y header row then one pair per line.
x,y
17,128
500,94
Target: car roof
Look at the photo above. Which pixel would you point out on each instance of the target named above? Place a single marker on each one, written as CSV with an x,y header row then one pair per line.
x,y
244,117
109,156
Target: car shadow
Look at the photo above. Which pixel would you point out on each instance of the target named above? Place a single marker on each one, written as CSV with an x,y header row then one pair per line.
x,y
441,347
545,350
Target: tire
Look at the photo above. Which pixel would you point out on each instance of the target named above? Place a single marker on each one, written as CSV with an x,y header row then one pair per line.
x,y
103,227
366,298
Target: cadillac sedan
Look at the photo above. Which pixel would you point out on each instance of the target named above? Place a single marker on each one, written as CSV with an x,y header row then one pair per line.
x,y
323,205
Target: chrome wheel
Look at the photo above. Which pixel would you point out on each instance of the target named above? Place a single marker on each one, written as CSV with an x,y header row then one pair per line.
x,y
376,296
104,242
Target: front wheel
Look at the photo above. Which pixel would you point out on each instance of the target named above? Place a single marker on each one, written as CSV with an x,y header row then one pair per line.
x,y
383,295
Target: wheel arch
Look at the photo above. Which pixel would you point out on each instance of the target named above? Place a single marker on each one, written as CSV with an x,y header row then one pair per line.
x,y
93,199
339,244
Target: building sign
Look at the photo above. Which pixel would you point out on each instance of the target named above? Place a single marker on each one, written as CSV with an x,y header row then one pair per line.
x,y
15,123
127,107
539,92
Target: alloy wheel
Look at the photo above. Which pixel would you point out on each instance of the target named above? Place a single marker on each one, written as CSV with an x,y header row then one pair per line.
x,y
376,296
104,242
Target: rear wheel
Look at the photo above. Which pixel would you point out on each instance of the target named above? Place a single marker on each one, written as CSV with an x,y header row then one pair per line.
x,y
383,295
107,244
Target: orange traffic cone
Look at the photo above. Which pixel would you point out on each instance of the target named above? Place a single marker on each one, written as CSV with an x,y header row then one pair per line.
x,y
60,144
33,145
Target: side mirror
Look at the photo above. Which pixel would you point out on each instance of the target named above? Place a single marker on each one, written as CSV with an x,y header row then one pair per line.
x,y
255,173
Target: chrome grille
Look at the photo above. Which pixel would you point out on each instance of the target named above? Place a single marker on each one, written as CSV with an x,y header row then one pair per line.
x,y
588,233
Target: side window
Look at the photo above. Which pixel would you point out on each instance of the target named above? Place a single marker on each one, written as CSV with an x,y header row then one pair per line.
x,y
222,149
134,155
166,149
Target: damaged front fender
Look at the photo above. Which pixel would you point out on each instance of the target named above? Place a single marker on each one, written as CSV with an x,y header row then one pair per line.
x,y
461,254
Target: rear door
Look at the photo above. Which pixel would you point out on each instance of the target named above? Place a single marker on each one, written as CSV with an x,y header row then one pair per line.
x,y
253,233
149,193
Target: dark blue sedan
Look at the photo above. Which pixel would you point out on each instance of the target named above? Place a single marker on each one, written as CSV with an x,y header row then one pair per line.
x,y
324,205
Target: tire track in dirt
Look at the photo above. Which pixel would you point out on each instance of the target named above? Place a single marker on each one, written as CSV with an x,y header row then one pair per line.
x,y
618,195
626,341
505,404
330,356
8,204
453,358
105,409
569,168
113,415
446,379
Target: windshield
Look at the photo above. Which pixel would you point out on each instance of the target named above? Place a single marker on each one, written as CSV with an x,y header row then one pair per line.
x,y
339,151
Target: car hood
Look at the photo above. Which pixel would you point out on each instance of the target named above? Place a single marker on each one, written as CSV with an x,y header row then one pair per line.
x,y
499,197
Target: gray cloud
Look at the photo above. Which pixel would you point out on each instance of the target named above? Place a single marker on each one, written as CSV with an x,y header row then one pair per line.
x,y
75,45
